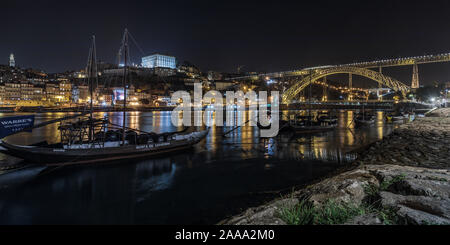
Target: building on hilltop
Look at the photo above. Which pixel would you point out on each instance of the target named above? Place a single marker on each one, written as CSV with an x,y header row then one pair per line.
x,y
12,62
161,65
159,61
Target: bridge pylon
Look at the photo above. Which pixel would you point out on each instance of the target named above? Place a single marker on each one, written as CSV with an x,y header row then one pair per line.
x,y
380,97
325,92
415,77
350,86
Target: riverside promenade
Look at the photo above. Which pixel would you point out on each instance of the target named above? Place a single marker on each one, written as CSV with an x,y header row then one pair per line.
x,y
402,179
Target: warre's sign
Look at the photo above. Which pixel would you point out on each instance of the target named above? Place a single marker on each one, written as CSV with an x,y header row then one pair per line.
x,y
12,125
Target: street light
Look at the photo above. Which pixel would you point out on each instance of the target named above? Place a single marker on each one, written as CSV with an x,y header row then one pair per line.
x,y
446,97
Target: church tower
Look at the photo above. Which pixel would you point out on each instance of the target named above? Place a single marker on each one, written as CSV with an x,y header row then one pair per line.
x,y
12,62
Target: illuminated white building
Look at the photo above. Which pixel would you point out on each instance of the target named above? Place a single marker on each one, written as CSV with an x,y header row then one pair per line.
x,y
159,61
12,62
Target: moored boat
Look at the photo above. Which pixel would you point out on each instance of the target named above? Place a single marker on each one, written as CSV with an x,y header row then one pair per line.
x,y
326,118
306,125
364,119
398,118
311,129
104,149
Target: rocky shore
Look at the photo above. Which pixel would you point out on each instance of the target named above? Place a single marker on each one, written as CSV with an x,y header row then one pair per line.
x,y
402,179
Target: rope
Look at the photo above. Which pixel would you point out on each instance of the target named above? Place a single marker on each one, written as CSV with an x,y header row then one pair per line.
x,y
135,43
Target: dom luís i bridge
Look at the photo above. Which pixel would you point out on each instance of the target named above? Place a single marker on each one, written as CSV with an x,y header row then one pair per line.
x,y
296,81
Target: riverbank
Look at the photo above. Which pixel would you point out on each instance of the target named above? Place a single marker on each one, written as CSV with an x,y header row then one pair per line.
x,y
373,105
40,109
402,179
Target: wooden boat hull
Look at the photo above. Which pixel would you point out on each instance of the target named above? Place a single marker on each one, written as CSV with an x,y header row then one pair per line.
x,y
60,156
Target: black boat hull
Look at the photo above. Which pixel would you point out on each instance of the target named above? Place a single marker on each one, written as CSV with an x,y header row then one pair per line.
x,y
362,123
52,156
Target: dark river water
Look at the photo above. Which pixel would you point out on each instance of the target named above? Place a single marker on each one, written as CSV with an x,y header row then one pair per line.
x,y
221,176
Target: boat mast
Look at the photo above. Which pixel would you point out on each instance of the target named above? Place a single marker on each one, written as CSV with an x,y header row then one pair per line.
x,y
364,113
124,82
92,72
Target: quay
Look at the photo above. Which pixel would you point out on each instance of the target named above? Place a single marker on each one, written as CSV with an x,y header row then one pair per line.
x,y
329,105
40,109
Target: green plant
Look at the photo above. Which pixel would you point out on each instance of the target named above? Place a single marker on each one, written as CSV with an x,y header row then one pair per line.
x,y
371,189
386,184
388,216
300,214
333,212
329,213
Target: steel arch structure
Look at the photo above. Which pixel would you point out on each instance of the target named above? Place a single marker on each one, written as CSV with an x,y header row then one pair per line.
x,y
392,83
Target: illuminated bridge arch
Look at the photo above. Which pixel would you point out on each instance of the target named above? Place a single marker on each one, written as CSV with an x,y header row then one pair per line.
x,y
389,82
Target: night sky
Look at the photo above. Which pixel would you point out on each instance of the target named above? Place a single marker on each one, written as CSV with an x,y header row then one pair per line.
x,y
215,35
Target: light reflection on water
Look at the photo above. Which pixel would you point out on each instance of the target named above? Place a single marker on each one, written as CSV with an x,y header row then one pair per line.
x,y
202,186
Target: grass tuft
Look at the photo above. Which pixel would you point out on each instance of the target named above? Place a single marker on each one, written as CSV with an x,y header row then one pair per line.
x,y
387,215
333,212
386,184
330,213
300,214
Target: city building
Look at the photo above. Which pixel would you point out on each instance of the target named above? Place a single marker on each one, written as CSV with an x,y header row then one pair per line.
x,y
159,61
58,91
141,95
80,93
161,100
164,72
52,92
12,62
12,91
119,71
2,91
30,92
104,97
65,90
160,71
118,94
189,69
21,91
223,85
213,76
79,74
